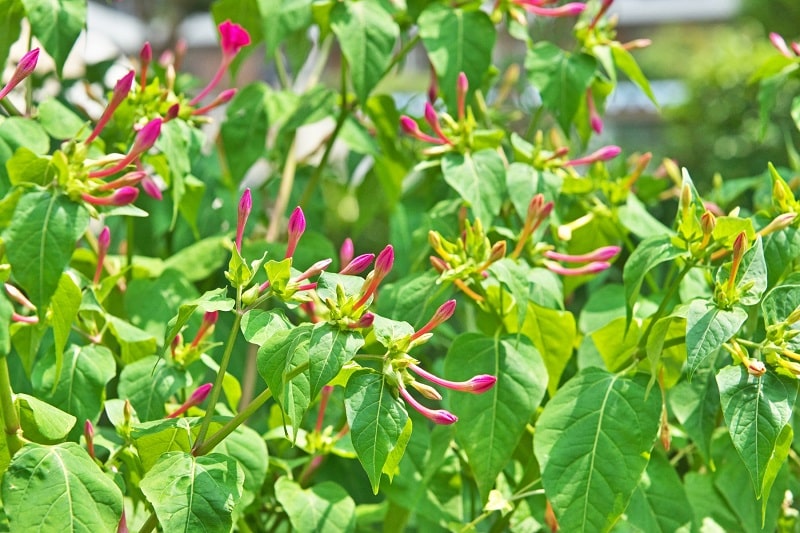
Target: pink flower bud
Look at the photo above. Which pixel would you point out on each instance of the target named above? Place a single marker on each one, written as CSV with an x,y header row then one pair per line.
x,y
233,38
590,268
296,227
16,295
173,112
146,137
209,319
796,48
358,265
151,188
594,117
197,397
601,254
25,68
603,154
16,317
245,206
567,10
121,90
442,314
103,242
476,385
223,98
410,127
145,56
384,262
462,87
440,265
122,196
315,270
439,416
780,44
131,178
365,321
433,120
88,434
346,252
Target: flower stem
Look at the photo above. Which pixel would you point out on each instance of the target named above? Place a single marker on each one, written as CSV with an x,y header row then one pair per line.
x,y
10,418
233,423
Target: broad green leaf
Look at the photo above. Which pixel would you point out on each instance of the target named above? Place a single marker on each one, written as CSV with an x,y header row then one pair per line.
x,y
593,442
134,343
479,179
25,167
325,507
244,132
214,300
40,241
367,34
756,411
781,248
154,439
388,331
64,308
649,254
150,303
780,302
26,338
279,18
514,279
524,182
457,41
707,327
492,423
20,132
751,278
659,503
173,142
79,388
148,383
553,334
695,404
59,488
10,27
329,348
56,24
194,493
376,418
258,326
726,229
615,343
627,64
250,451
59,121
42,422
198,261
285,352
638,220
561,78
412,299
604,305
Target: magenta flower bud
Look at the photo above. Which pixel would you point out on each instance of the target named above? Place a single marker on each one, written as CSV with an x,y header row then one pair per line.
x,y
173,112
590,268
315,269
567,10
223,98
131,178
233,38
594,117
780,44
121,90
151,188
145,56
245,206
346,252
475,385
601,254
384,262
433,120
209,319
25,68
296,227
365,321
796,48
462,87
122,196
88,434
439,416
197,397
358,265
603,154
410,127
442,314
16,295
16,317
147,136
103,242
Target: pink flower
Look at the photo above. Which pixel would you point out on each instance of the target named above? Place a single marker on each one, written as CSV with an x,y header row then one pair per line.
x,y
296,228
383,265
603,154
103,242
358,265
25,68
122,196
145,138
590,268
476,385
439,416
245,205
197,397
121,90
410,127
441,315
603,253
233,38
346,252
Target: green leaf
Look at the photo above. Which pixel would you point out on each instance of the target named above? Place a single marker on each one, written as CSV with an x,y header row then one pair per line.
x,y
198,261
479,179
376,418
64,308
659,503
492,423
284,352
258,326
56,24
148,383
59,121
59,488
250,451
10,25
756,411
21,132
280,18
561,78
707,327
154,439
388,331
593,442
412,298
40,241
638,220
214,300
134,343
79,387
42,422
329,349
325,507
751,278
367,34
151,302
627,64
695,404
649,254
26,167
514,279
244,132
457,41
615,343
194,493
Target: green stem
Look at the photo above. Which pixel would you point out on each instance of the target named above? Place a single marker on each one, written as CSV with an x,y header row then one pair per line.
x,y
10,417
149,524
129,249
402,53
223,367
283,76
9,107
234,422
662,308
344,112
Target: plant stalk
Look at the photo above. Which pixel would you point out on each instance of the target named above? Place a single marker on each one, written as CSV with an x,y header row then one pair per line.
x,y
233,423
10,417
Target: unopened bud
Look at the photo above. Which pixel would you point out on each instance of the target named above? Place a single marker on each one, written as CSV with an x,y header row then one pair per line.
x,y
88,434
708,222
358,265
346,252
296,227
426,390
25,68
245,206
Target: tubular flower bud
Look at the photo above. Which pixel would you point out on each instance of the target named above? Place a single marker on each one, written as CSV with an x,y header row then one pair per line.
x,y
410,127
145,139
603,154
358,265
442,314
173,112
433,121
476,385
603,8
739,247
296,227
122,196
130,179
795,47
439,264
565,230
601,254
16,295
145,56
209,319
439,416
778,223
567,10
314,270
590,268
426,390
88,434
780,44
25,68
365,321
636,44
383,265
664,433
232,39
103,242
16,317
245,206
594,117
121,90
346,252
223,98
462,87
197,397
